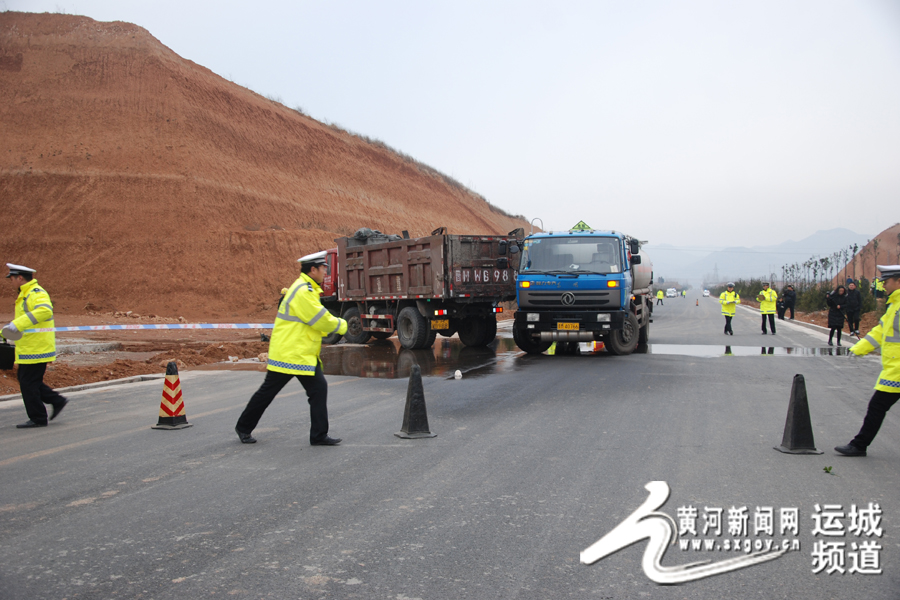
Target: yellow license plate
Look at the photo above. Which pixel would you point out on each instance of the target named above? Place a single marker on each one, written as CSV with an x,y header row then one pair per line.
x,y
567,326
440,323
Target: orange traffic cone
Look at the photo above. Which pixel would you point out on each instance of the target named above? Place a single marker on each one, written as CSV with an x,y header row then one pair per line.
x,y
171,408
698,303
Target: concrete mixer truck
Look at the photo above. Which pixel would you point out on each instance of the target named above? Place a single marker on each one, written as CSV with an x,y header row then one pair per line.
x,y
583,285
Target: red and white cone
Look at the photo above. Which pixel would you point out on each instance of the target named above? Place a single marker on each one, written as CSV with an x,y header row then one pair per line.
x,y
171,408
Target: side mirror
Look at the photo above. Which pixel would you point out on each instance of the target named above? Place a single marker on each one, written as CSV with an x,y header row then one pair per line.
x,y
635,246
514,249
503,246
635,259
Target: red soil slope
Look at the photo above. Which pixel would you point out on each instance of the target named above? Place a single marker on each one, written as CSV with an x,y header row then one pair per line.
x,y
134,179
863,265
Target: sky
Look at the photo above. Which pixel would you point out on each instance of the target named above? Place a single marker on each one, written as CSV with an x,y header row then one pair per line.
x,y
691,123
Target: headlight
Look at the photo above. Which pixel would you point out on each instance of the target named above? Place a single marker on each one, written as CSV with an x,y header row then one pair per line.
x,y
532,317
525,284
603,317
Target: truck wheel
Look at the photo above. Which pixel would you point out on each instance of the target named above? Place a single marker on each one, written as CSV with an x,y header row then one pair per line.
x,y
332,339
525,342
625,340
412,329
490,331
355,333
644,333
473,331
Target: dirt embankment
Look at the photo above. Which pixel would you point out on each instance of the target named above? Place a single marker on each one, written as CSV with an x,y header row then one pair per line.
x,y
135,180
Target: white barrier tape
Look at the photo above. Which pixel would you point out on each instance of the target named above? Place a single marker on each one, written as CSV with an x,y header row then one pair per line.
x,y
159,326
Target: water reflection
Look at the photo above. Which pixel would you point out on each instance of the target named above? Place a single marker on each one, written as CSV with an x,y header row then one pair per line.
x,y
704,351
387,359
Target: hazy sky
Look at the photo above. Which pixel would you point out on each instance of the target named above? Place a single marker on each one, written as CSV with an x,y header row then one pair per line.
x,y
686,122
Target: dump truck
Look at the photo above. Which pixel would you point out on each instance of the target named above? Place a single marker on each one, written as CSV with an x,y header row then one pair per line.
x,y
583,285
421,287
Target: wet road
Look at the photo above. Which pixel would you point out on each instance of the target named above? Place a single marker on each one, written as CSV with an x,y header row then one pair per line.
x,y
682,327
535,459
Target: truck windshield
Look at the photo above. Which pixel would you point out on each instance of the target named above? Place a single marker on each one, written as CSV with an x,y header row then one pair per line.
x,y
572,254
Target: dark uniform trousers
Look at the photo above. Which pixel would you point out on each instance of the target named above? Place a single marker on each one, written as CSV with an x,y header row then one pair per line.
x,y
36,393
316,391
771,319
789,306
880,403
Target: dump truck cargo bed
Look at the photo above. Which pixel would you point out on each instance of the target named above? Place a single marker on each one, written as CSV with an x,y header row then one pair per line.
x,y
445,267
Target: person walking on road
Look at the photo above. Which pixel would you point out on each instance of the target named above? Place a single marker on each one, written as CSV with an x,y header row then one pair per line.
x,y
853,308
836,302
886,336
294,350
34,310
790,299
659,297
767,299
729,299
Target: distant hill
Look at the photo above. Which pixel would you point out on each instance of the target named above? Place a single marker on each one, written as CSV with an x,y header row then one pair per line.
x,y
743,263
134,179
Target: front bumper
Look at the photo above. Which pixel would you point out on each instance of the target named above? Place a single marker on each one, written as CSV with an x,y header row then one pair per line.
x,y
562,326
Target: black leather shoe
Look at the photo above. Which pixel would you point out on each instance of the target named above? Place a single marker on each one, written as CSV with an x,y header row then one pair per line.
x,y
245,438
328,441
29,424
57,408
849,450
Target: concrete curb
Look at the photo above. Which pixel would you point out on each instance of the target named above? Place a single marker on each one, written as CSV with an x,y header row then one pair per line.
x,y
96,384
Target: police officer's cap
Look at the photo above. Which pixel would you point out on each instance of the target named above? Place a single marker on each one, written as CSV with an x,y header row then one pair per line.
x,y
18,270
765,283
729,284
316,259
889,270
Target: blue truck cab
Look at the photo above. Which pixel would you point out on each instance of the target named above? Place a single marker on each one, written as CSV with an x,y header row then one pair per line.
x,y
582,285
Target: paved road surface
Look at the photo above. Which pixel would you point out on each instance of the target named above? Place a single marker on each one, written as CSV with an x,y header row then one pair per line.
x,y
536,458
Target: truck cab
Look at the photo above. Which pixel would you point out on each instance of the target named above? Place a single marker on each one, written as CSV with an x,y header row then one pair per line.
x,y
582,285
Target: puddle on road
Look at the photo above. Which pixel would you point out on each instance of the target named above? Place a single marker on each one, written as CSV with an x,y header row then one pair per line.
x,y
386,359
712,351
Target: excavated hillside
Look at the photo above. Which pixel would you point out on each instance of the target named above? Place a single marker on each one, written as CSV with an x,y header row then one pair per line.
x,y
133,179
868,257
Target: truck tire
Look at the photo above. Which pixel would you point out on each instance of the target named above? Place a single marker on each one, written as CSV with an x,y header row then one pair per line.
x,y
332,339
477,332
625,340
490,332
644,333
523,341
412,329
355,333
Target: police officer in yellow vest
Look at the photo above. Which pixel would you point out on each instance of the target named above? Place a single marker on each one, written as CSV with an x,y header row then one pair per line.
x,y
659,297
729,299
294,349
886,336
33,350
768,304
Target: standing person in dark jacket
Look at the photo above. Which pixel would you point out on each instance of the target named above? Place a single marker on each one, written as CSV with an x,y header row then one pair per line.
x,y
836,302
854,307
790,299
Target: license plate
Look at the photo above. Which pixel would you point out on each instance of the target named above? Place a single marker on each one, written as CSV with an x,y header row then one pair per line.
x,y
567,326
440,323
